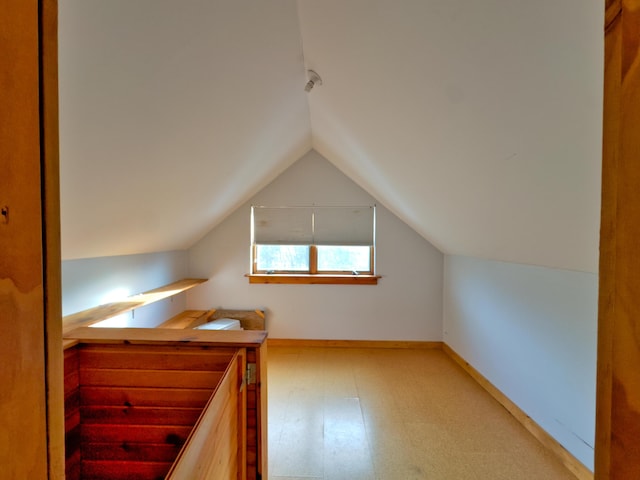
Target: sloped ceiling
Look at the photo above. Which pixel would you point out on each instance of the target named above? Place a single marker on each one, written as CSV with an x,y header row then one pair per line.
x,y
477,123
171,114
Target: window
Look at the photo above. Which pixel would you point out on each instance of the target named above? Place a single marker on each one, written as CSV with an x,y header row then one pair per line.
x,y
281,258
313,244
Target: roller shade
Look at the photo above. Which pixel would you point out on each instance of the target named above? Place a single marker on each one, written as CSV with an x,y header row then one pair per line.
x,y
313,225
282,226
344,226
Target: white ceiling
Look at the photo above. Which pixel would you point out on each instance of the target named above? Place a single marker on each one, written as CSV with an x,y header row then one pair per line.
x,y
477,123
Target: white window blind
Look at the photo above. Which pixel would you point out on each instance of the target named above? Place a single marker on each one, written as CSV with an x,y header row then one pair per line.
x,y
313,225
343,226
282,226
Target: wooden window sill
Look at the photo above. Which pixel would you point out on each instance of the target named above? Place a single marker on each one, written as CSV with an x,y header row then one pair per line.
x,y
301,279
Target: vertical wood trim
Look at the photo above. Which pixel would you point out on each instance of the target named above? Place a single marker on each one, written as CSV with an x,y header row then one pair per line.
x,y
313,259
611,139
617,452
261,364
372,263
254,258
50,172
242,415
23,443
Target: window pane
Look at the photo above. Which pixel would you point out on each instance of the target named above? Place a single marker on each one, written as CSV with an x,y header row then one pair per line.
x,y
283,258
335,258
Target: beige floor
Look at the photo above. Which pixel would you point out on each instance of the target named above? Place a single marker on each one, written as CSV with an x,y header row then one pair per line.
x,y
357,414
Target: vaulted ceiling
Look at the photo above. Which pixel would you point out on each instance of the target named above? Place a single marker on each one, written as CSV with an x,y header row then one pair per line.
x,y
477,123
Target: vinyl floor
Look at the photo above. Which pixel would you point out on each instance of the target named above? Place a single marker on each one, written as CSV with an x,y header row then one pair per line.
x,y
356,414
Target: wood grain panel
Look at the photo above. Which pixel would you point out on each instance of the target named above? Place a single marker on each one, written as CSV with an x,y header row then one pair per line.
x,y
169,336
144,426
262,396
71,388
154,452
241,456
71,361
72,438
72,419
130,415
23,401
617,453
148,414
71,383
51,242
213,445
98,470
158,358
606,287
184,319
160,397
149,378
73,467
165,434
252,421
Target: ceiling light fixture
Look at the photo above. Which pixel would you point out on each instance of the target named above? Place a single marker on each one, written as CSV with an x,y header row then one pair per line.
x,y
314,79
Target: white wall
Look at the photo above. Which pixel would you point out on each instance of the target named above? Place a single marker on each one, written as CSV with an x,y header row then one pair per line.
x,y
531,331
405,305
90,282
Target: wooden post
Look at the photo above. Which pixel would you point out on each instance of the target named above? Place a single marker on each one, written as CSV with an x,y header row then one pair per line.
x,y
31,400
617,452
51,242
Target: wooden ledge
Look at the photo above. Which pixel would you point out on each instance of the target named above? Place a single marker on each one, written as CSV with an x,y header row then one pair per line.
x,y
166,336
108,310
395,344
301,279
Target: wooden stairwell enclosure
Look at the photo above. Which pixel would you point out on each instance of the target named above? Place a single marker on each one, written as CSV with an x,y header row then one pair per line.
x,y
150,409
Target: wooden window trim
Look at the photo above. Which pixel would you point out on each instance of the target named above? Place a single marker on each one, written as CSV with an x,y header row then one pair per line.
x,y
313,276
313,259
312,279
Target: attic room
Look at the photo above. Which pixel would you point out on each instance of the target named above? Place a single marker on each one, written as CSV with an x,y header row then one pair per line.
x,y
475,130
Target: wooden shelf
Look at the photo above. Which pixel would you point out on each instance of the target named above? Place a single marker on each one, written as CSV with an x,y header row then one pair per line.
x,y
108,310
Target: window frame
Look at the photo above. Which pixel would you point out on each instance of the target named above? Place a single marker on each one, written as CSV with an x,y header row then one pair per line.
x,y
313,275
313,265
